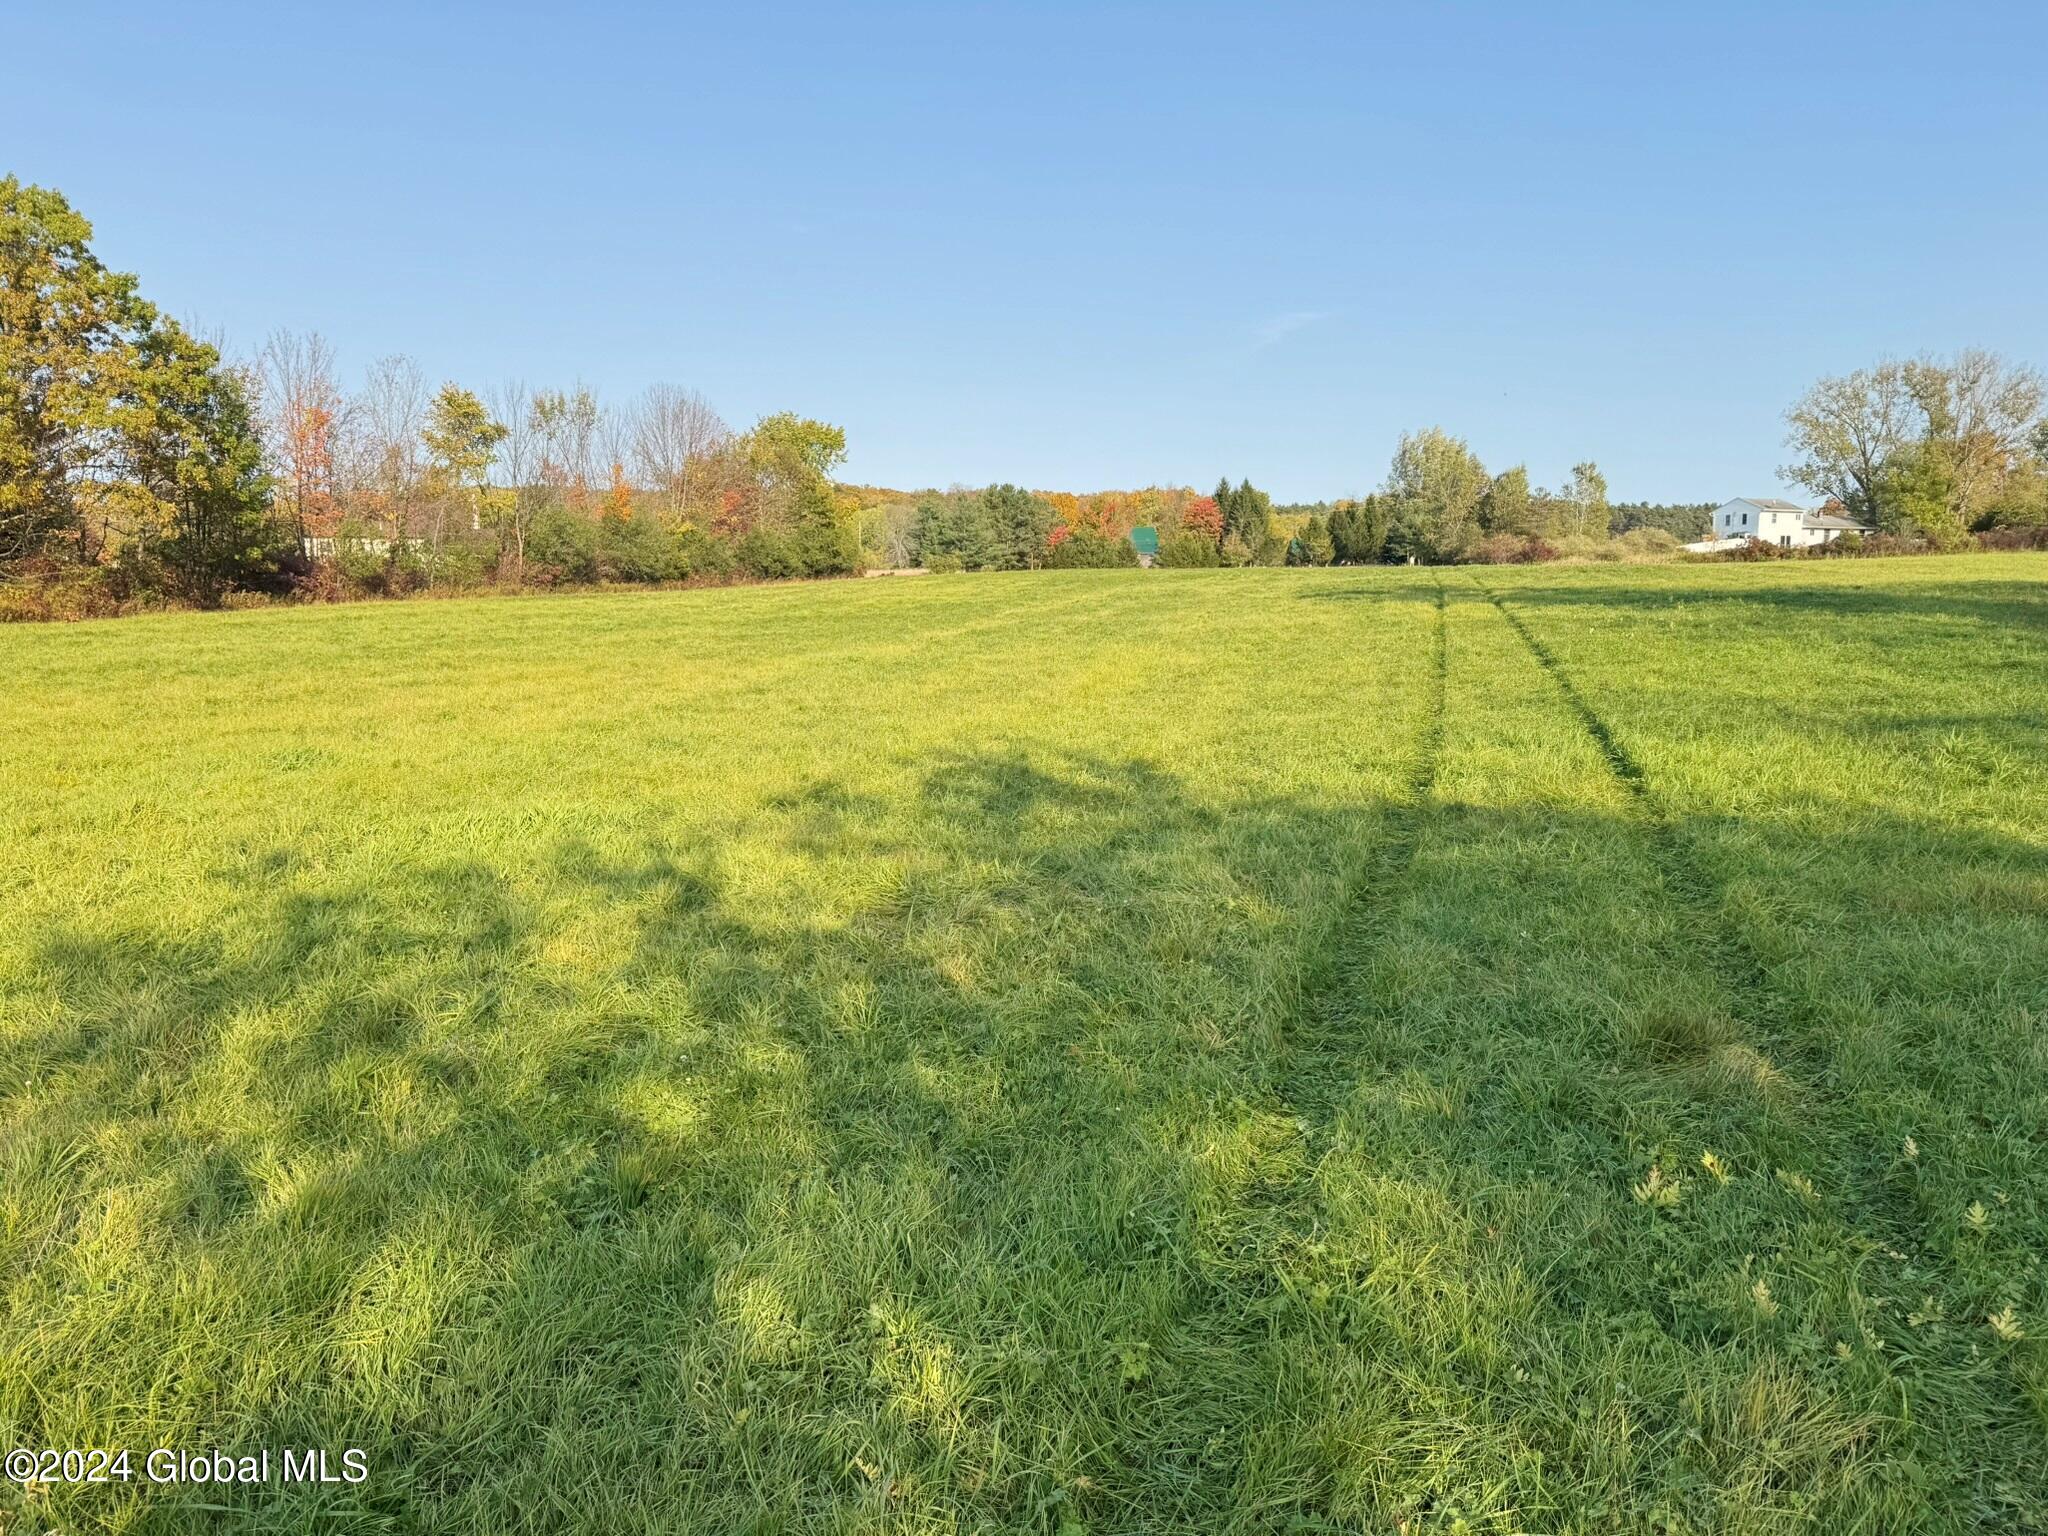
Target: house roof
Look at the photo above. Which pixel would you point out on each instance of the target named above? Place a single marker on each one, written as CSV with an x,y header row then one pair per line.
x,y
1771,504
1829,520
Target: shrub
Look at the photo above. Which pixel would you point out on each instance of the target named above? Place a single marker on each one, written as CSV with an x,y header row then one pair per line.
x,y
698,554
768,555
464,564
1756,549
1188,550
49,589
638,549
2023,536
1586,546
1649,543
360,571
945,565
1087,549
564,545
1512,549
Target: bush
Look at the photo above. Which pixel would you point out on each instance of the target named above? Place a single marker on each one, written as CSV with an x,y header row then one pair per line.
x,y
49,589
945,565
1188,551
2022,536
766,554
1649,543
1512,549
698,554
563,546
638,549
1085,549
1586,546
465,563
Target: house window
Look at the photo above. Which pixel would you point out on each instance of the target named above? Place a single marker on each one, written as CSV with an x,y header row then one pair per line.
x,y
1785,539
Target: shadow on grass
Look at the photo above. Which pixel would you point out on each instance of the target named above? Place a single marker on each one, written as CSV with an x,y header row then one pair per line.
x,y
1018,1157
2004,604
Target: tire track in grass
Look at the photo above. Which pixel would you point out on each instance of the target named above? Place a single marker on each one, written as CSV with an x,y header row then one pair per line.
x,y
1300,1095
1762,1009
1317,1048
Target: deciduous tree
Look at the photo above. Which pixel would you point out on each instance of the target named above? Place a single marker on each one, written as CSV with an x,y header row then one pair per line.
x,y
121,435
460,439
1434,485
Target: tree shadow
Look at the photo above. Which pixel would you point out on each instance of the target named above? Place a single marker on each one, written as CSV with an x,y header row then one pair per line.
x,y
2005,604
1058,1141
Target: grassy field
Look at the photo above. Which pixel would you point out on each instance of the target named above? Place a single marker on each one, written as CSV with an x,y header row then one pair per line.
x,y
1539,1050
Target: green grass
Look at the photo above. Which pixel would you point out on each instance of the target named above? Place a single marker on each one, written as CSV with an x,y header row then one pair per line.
x,y
1093,1052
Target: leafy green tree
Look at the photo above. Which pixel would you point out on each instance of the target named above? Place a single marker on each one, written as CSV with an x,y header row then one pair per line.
x,y
1585,502
194,452
792,458
795,450
461,439
1505,506
122,437
1412,537
1435,486
1845,431
1916,496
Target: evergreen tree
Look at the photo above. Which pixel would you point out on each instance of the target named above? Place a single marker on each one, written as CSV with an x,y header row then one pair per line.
x,y
1358,531
1017,523
952,526
1313,545
1249,515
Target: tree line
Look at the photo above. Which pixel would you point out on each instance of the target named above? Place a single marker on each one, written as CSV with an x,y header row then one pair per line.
x,y
136,458
138,463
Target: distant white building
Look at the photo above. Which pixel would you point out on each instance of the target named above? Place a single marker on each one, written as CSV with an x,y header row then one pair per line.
x,y
1778,522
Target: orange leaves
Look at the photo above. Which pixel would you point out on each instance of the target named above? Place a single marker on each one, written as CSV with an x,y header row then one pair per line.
x,y
1203,516
618,500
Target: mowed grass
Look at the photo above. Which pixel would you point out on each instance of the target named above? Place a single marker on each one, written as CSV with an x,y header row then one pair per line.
x,y
1498,1051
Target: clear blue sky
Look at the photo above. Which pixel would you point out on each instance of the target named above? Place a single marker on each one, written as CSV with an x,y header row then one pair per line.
x,y
1083,246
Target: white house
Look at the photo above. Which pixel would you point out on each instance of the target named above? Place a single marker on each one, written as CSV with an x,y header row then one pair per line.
x,y
1778,522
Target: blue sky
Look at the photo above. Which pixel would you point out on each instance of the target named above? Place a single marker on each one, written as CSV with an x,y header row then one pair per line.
x,y
1088,246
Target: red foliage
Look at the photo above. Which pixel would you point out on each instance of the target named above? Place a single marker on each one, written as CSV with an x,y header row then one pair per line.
x,y
1058,535
1203,516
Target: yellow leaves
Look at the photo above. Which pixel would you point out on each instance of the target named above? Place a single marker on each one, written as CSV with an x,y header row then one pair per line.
x,y
1656,1191
1800,1185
